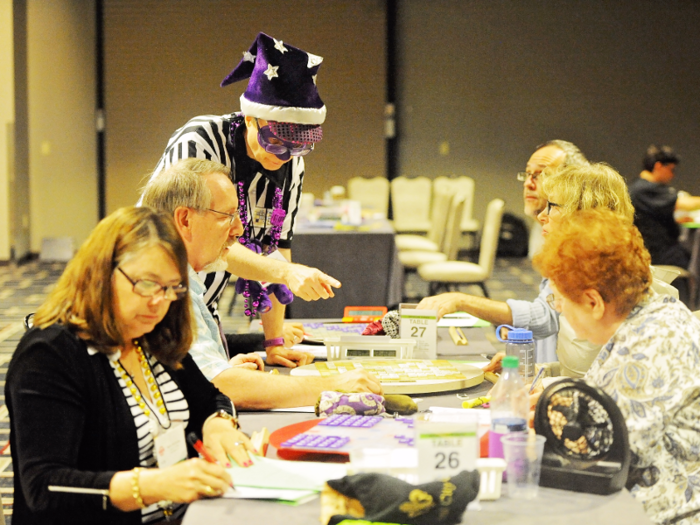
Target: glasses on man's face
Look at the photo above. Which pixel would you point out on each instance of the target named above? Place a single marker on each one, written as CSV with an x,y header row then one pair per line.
x,y
232,216
146,288
523,176
551,205
275,145
553,302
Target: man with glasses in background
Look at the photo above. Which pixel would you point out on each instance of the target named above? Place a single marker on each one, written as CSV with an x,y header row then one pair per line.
x,y
534,315
264,145
552,153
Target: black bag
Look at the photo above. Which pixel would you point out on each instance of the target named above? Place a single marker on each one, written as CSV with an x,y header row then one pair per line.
x,y
514,237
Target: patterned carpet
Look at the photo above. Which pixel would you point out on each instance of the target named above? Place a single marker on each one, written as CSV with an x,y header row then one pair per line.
x,y
23,288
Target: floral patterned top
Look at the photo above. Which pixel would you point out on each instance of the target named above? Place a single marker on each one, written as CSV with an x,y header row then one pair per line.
x,y
651,368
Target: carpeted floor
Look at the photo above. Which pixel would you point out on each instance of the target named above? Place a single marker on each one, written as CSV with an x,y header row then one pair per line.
x,y
23,288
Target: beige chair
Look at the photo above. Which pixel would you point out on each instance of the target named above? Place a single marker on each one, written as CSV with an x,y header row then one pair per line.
x,y
410,202
450,274
679,272
436,233
372,193
412,259
464,185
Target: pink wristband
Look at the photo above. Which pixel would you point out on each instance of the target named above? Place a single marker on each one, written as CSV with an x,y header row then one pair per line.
x,y
277,341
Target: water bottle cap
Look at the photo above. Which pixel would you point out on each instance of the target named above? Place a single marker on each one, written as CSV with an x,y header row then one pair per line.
x,y
510,361
519,334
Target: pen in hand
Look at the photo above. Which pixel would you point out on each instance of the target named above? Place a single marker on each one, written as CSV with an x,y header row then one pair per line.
x,y
204,451
199,447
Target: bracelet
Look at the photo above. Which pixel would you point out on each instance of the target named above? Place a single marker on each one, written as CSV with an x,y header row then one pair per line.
x,y
277,341
224,415
135,488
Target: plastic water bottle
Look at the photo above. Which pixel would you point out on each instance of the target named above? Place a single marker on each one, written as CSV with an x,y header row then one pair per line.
x,y
509,406
521,345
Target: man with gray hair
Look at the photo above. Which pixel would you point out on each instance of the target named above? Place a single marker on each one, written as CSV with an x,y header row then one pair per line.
x,y
203,201
535,315
550,154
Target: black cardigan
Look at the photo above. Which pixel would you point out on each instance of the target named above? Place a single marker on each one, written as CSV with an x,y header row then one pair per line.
x,y
70,425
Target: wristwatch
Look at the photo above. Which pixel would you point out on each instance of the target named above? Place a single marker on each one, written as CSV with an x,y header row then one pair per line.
x,y
225,415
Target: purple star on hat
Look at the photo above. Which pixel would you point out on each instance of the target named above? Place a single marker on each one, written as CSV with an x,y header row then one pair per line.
x,y
282,87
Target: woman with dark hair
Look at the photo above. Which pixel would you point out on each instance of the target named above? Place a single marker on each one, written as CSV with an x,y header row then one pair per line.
x,y
101,391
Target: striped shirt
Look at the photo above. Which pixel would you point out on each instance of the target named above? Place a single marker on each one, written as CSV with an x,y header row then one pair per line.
x,y
149,426
222,139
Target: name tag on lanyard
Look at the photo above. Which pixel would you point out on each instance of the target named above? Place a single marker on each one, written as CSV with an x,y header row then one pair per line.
x,y
261,217
170,445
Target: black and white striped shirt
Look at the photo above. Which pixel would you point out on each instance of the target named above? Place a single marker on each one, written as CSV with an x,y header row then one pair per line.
x,y
222,139
147,427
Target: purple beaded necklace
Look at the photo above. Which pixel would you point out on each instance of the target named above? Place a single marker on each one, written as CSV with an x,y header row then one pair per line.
x,y
252,297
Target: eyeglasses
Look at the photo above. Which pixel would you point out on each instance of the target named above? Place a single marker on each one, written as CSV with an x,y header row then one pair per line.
x,y
232,216
146,288
278,147
523,175
551,205
553,302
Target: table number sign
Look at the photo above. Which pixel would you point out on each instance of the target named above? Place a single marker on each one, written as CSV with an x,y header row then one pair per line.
x,y
420,325
446,445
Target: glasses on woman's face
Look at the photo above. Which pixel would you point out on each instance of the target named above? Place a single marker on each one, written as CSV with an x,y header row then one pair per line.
x,y
278,147
146,288
551,205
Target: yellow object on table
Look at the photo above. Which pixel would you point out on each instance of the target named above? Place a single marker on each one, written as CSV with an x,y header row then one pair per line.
x,y
476,402
458,336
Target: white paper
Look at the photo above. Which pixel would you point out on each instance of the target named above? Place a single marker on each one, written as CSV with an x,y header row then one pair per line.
x,y
461,319
296,496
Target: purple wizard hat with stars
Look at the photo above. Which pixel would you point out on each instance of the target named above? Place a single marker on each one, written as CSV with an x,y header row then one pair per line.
x,y
282,88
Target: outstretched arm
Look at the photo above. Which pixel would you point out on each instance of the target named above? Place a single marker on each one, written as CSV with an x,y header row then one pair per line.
x,y
305,282
251,390
496,312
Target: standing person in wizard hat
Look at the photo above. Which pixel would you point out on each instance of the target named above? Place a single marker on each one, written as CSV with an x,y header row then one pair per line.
x,y
264,146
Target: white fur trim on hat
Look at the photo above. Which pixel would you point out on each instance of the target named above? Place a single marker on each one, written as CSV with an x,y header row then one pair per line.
x,y
283,114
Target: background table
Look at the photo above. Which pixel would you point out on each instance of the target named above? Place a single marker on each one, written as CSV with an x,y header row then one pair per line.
x,y
365,260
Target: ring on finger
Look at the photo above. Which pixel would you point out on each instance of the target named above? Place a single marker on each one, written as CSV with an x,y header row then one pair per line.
x,y
237,444
210,491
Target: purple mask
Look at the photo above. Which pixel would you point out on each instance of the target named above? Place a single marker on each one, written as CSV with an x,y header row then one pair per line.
x,y
281,149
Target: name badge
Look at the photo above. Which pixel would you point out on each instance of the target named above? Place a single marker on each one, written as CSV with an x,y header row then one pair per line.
x,y
446,446
170,445
261,217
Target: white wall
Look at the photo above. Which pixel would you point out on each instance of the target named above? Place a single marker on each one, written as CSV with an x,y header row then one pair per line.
x,y
61,101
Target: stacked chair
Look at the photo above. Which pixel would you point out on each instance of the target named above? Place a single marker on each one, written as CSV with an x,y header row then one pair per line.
x,y
450,273
371,193
465,186
436,233
450,225
410,202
